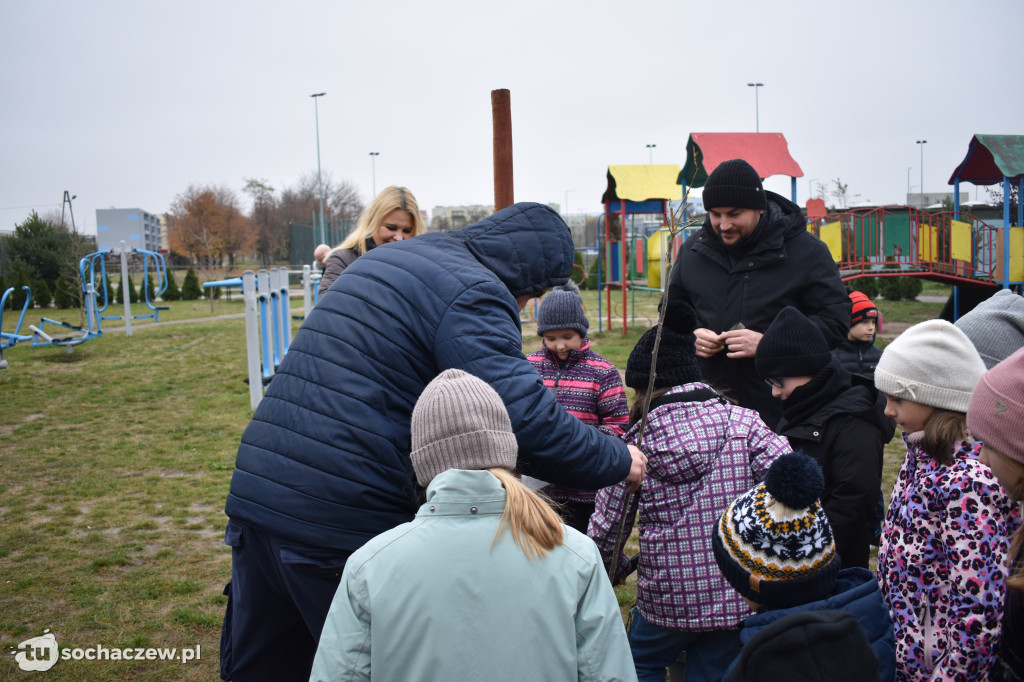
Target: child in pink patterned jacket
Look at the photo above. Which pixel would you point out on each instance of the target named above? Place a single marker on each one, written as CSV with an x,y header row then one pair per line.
x,y
587,385
942,561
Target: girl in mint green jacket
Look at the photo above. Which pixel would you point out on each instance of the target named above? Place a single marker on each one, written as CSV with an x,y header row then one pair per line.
x,y
486,582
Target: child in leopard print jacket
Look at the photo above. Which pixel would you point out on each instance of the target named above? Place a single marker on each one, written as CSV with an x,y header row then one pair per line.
x,y
942,562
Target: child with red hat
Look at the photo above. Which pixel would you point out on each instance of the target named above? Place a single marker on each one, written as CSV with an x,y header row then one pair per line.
x,y
858,353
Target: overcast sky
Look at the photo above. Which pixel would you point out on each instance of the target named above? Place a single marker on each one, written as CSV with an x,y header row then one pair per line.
x,y
126,104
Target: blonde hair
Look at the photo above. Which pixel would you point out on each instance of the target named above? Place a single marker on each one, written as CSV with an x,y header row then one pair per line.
x,y
391,198
534,525
943,432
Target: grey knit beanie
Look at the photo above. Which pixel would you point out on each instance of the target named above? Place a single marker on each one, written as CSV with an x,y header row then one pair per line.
x,y
459,422
932,363
562,309
996,326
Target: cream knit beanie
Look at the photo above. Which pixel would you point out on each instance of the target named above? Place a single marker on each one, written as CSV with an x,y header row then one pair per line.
x,y
932,363
460,422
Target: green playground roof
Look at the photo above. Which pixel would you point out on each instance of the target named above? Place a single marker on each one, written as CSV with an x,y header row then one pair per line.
x,y
990,158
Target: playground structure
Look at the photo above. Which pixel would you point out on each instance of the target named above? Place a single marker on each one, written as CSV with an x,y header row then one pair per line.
x,y
631,231
92,270
643,193
952,247
267,304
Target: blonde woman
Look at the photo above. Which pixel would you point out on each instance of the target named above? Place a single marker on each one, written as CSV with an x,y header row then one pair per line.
x,y
393,216
486,582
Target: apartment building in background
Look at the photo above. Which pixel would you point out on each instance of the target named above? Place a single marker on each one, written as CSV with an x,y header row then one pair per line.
x,y
138,229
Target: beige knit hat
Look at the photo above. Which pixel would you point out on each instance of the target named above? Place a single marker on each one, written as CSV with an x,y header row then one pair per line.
x,y
932,363
459,422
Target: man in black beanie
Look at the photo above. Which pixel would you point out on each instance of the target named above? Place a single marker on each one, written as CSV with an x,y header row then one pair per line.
x,y
752,257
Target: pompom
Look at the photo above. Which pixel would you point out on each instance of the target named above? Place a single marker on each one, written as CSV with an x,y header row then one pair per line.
x,y
569,286
795,480
680,317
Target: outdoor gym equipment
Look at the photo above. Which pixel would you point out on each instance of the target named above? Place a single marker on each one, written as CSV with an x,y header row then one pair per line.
x,y
94,277
9,339
268,334
38,337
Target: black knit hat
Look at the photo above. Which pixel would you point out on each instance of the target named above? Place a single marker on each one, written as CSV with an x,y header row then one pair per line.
x,y
562,309
792,346
773,544
808,645
734,183
677,354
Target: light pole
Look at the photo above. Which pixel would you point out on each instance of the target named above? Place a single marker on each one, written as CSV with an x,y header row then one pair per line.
x,y
567,204
922,143
319,177
757,106
908,182
810,188
373,166
650,153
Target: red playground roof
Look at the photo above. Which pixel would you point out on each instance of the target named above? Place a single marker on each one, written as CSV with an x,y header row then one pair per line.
x,y
768,153
990,158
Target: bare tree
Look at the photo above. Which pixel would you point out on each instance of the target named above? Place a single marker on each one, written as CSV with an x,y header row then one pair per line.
x,y
271,234
839,191
302,201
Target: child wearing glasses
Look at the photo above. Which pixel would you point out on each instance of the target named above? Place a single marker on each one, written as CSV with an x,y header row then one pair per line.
x,y
836,418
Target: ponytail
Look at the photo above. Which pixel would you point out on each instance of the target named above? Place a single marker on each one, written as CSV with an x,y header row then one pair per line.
x,y
534,525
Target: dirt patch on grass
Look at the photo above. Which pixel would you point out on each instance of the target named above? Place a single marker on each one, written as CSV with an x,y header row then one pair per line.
x,y
890,330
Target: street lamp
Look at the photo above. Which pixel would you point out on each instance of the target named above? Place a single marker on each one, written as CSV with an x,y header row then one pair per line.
x,y
319,177
650,153
922,143
757,112
810,187
373,166
567,204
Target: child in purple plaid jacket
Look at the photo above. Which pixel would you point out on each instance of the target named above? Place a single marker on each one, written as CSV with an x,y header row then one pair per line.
x,y
586,384
703,452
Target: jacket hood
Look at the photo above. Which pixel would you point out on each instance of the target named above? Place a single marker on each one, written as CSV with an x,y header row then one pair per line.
x,y
527,246
685,465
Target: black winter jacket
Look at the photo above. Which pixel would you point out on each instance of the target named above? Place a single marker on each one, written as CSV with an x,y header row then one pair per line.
x,y
781,264
839,420
325,460
858,357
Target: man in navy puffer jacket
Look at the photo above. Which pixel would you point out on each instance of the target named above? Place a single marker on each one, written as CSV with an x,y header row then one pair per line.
x,y
324,464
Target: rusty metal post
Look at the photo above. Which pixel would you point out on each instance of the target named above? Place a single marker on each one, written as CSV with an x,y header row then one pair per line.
x,y
501,116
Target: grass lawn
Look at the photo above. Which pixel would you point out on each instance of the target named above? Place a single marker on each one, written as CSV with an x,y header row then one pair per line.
x,y
117,459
